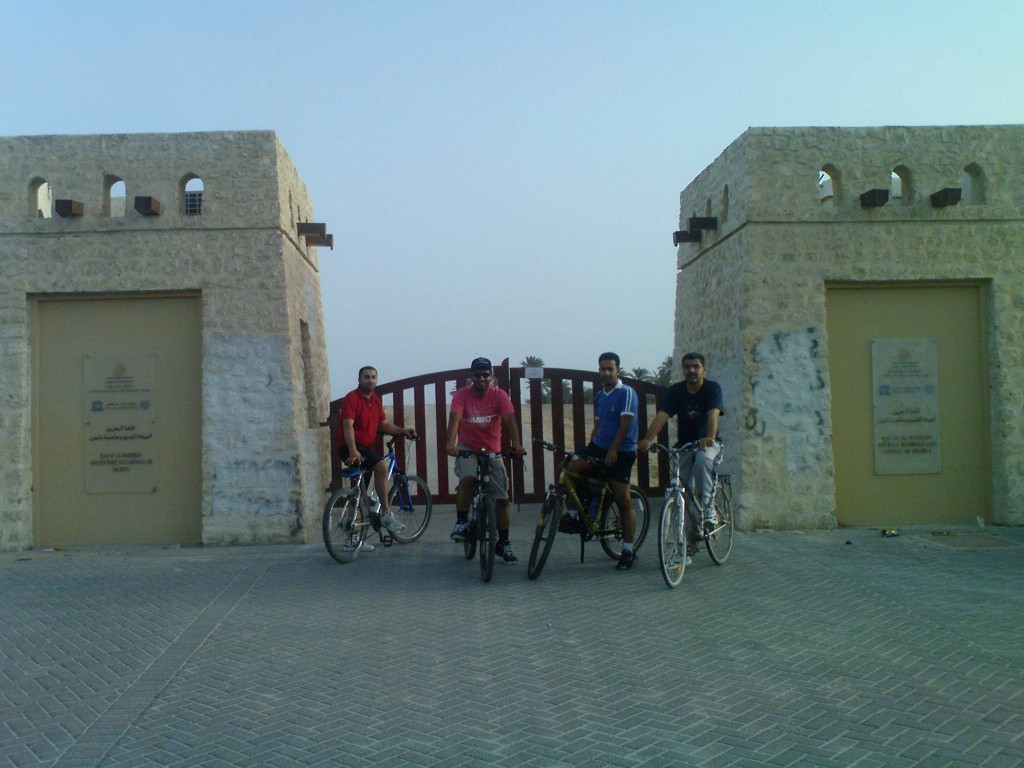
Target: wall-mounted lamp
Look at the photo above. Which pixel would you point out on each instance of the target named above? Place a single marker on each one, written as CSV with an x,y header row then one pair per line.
x,y
315,233
703,222
147,206
327,240
944,197
683,236
311,229
874,198
68,209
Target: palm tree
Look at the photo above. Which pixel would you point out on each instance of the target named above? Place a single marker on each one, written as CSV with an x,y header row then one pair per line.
x,y
640,374
533,361
663,376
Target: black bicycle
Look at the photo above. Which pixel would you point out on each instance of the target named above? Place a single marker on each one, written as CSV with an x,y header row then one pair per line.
x,y
483,514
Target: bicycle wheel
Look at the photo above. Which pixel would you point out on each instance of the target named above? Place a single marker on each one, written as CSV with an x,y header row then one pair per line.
x,y
719,541
672,543
641,513
342,536
610,526
412,503
488,523
469,543
547,527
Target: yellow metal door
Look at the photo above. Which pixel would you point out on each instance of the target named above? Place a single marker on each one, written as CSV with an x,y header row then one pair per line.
x,y
117,420
955,316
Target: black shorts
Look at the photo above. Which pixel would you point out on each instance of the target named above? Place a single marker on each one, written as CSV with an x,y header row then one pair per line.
x,y
621,471
370,458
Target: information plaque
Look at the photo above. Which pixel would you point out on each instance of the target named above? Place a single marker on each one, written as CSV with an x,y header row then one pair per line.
x,y
905,381
120,421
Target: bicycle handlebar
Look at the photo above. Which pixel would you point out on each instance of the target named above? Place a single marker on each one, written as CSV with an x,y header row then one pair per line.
x,y
550,446
559,449
391,442
506,454
686,448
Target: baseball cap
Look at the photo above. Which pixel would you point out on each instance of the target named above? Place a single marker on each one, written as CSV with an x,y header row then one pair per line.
x,y
480,364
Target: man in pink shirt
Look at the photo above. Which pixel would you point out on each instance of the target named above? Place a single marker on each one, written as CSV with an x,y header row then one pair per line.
x,y
477,415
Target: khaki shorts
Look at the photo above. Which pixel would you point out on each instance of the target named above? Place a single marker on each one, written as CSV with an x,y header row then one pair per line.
x,y
466,467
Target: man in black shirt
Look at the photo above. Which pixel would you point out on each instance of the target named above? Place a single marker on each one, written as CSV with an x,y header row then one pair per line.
x,y
698,404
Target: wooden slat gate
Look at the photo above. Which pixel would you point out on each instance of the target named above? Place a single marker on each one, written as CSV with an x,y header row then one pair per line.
x,y
553,404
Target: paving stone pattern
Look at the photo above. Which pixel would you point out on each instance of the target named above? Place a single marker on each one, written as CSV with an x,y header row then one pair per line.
x,y
802,650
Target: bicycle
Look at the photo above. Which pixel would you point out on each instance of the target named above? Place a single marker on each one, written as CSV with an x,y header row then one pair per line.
x,y
483,515
680,529
352,512
597,519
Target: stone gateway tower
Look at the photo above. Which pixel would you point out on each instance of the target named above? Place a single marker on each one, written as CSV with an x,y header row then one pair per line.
x,y
859,294
164,367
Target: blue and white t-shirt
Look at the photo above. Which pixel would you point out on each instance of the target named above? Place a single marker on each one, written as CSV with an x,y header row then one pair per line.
x,y
609,408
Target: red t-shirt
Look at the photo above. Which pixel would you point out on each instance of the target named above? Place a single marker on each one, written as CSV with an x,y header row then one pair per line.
x,y
480,427
366,414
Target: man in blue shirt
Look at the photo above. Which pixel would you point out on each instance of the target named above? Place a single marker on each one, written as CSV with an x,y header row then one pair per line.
x,y
613,440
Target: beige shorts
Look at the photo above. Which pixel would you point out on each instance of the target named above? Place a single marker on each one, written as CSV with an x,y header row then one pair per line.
x,y
466,467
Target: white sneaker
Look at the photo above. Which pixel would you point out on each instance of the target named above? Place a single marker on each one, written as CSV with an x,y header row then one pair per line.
x,y
392,523
351,546
460,532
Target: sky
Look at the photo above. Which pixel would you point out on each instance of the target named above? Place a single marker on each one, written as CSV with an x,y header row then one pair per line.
x,y
502,178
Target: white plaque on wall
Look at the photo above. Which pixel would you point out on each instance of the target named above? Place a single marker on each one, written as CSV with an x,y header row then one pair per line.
x,y
905,381
120,421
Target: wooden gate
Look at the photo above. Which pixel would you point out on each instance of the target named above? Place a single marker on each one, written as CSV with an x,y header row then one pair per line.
x,y
553,404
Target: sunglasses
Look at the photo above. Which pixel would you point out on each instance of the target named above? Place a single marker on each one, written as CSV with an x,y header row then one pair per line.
x,y
480,375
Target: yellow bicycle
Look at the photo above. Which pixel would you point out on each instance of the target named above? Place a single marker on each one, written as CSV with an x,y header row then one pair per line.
x,y
597,518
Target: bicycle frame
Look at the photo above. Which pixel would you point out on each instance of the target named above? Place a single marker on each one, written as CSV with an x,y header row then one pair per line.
x,y
567,483
565,489
678,486
349,508
483,511
683,526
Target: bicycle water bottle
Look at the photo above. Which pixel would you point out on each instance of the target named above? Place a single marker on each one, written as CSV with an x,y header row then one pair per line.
x,y
374,501
595,497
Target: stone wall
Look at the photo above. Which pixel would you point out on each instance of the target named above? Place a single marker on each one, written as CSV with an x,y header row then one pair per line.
x,y
265,460
751,294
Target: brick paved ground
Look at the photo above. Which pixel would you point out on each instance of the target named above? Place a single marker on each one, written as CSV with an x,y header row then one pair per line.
x,y
803,650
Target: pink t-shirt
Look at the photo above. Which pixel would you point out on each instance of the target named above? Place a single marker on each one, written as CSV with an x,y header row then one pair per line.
x,y
480,427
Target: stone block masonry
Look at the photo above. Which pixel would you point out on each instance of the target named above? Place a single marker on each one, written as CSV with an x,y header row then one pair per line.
x,y
751,294
264,363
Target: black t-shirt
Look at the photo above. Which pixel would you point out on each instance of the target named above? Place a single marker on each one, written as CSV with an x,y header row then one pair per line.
x,y
692,410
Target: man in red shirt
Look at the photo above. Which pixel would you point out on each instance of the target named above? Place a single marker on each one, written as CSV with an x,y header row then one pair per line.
x,y
362,418
478,413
